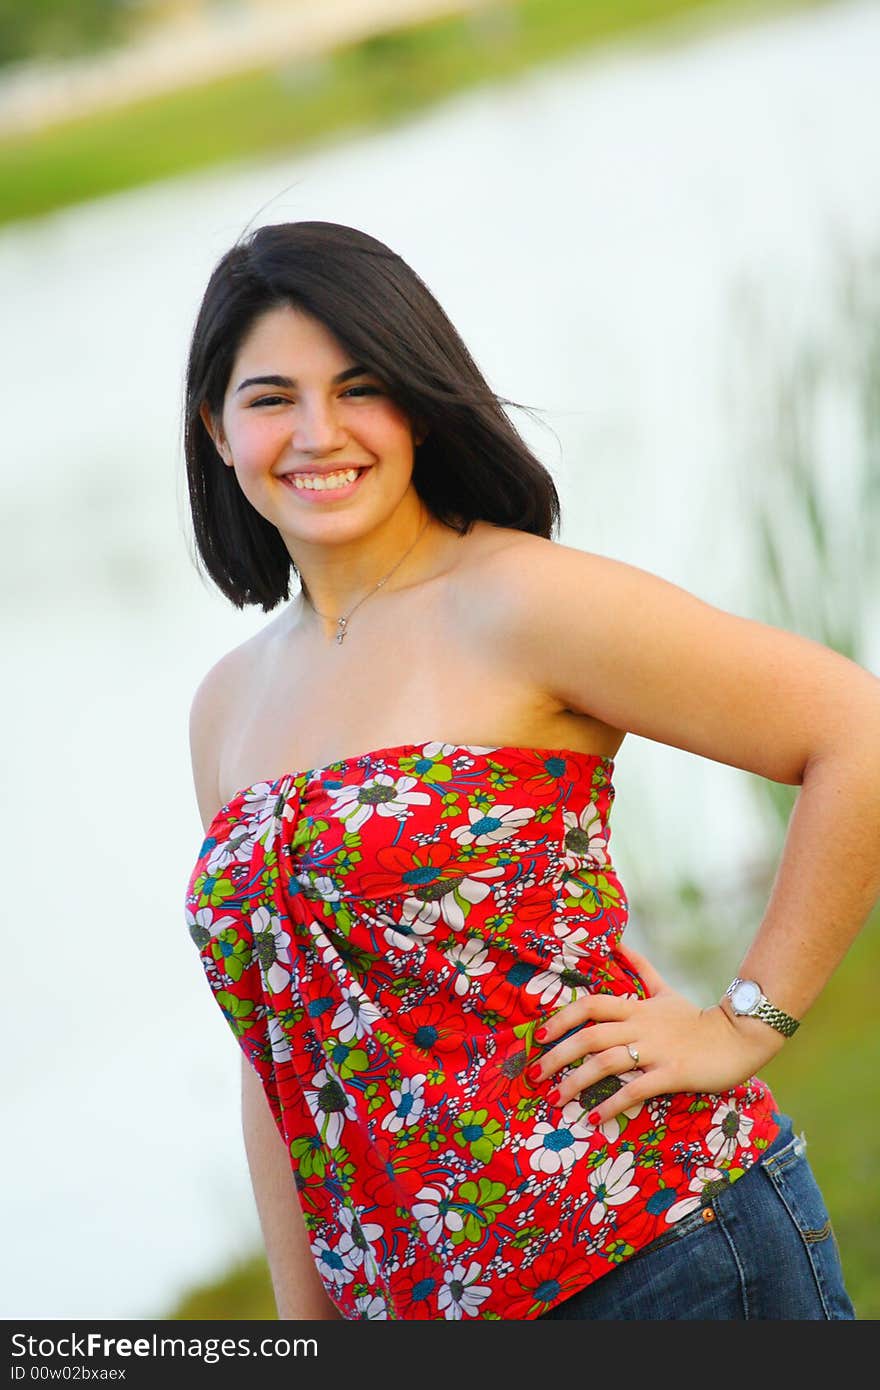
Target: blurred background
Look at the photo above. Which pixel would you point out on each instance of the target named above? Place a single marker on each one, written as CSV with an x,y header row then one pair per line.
x,y
657,222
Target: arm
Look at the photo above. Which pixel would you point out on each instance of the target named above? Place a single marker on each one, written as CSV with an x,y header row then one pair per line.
x,y
614,641
299,1293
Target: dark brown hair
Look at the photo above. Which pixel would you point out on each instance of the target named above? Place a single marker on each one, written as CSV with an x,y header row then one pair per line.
x,y
472,465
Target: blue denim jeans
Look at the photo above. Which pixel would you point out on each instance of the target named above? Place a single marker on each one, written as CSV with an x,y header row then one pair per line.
x,y
767,1251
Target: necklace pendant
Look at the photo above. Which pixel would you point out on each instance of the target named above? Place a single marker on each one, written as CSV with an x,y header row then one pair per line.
x,y
340,623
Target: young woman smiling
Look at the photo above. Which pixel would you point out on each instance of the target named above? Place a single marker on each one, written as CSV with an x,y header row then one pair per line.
x,y
464,1094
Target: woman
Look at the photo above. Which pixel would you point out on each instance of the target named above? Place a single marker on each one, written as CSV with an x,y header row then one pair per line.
x,y
464,1096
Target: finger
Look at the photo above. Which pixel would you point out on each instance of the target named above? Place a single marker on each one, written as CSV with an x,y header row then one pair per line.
x,y
580,1047
575,1015
614,1061
651,976
583,1043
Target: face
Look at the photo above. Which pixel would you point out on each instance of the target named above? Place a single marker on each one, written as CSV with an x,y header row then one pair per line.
x,y
298,411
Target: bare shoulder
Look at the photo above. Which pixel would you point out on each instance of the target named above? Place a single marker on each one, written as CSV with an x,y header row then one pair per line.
x,y
513,573
214,697
645,655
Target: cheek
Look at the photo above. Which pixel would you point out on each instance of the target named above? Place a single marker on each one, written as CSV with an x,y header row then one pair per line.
x,y
256,445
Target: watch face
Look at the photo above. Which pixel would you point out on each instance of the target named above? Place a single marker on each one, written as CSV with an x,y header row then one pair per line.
x,y
745,996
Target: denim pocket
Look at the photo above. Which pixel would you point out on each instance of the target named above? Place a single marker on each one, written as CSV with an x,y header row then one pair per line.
x,y
696,1220
792,1178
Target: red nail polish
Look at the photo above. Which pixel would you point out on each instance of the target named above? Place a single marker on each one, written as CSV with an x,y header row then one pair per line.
x,y
593,1117
540,1034
534,1071
553,1096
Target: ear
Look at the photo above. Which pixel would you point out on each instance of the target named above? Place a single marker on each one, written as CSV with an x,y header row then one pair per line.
x,y
215,432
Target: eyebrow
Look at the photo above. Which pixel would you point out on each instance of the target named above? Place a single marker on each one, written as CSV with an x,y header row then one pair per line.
x,y
290,381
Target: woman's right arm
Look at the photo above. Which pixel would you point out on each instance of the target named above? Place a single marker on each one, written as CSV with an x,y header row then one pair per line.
x,y
299,1292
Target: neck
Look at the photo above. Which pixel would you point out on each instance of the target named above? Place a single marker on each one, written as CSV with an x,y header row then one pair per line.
x,y
336,577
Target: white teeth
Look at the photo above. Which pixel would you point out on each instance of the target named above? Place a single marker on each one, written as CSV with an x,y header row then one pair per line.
x,y
314,483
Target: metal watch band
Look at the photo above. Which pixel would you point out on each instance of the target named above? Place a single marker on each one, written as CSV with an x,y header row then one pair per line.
x,y
767,1012
783,1022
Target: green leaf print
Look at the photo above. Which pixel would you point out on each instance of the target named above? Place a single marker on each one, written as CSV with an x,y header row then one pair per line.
x,y
236,1011
347,1060
478,1133
311,1156
214,890
479,1204
433,1136
523,1239
229,950
617,1251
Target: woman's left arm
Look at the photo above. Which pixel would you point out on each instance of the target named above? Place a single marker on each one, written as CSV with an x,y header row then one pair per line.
x,y
644,655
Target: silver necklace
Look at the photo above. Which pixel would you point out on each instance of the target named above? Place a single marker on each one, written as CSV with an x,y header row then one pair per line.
x,y
342,623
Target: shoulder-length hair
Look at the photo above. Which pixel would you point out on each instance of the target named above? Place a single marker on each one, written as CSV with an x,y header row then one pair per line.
x,y
472,463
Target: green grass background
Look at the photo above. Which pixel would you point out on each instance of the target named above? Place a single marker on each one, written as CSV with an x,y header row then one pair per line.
x,y
295,106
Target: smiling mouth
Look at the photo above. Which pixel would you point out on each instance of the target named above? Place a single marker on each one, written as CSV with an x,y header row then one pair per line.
x,y
328,484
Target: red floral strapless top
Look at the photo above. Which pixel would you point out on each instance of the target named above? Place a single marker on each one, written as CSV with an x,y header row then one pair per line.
x,y
383,935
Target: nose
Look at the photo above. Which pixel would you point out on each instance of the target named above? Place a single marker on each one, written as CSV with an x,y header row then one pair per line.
x,y
316,428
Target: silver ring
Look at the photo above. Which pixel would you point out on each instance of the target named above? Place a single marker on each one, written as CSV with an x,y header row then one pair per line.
x,y
633,1052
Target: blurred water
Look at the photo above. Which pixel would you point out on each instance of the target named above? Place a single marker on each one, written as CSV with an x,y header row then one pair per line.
x,y
587,227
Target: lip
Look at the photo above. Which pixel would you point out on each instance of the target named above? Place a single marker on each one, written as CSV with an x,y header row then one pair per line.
x,y
331,494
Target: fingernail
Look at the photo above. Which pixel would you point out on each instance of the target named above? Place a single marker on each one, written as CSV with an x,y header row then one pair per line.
x,y
540,1034
534,1071
593,1117
553,1096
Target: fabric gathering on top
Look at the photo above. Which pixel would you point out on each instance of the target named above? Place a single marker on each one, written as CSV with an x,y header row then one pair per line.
x,y
384,934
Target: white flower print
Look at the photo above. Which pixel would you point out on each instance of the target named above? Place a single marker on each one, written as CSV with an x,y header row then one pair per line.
x,y
354,1247
579,941
584,844
236,847
355,1016
408,1102
331,1265
202,925
433,1211
406,935
461,1295
279,1041
729,1130
330,1104
384,794
611,1184
469,960
552,982
701,1179
435,750
324,887
272,949
490,827
371,1306
270,807
555,1147
446,907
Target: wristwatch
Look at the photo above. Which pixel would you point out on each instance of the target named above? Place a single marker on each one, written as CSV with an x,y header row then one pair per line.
x,y
748,999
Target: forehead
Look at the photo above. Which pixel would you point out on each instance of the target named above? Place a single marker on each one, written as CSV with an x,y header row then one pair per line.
x,y
288,338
